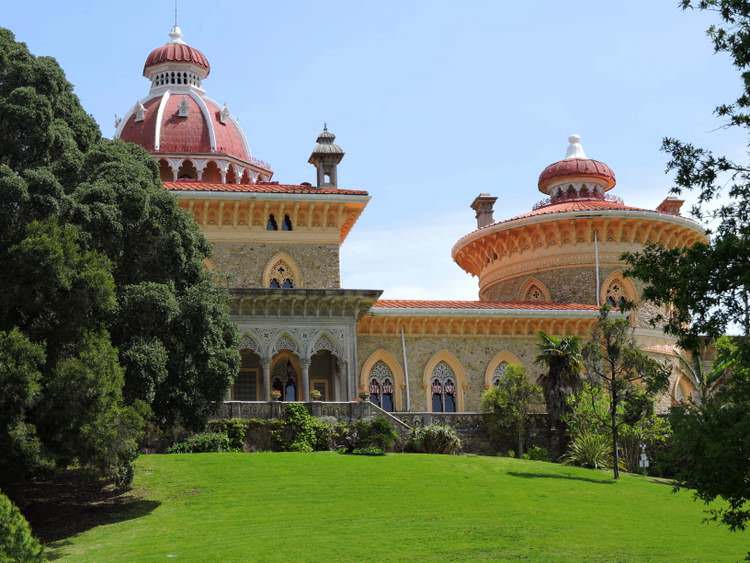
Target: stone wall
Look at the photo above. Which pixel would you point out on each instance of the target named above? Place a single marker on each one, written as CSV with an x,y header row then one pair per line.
x,y
570,285
244,263
474,439
474,354
469,426
566,285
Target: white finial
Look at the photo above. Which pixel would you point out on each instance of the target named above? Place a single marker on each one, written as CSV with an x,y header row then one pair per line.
x,y
175,35
575,148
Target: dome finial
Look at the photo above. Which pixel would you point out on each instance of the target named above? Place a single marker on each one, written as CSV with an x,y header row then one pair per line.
x,y
575,148
175,34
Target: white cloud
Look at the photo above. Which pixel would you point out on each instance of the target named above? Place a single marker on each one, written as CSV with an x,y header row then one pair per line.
x,y
409,261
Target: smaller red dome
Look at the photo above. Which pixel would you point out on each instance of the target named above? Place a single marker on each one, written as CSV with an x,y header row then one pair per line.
x,y
576,168
176,53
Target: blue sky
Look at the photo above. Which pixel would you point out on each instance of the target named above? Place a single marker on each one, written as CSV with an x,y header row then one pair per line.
x,y
433,101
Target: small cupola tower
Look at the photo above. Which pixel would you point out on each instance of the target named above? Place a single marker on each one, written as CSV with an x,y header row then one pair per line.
x,y
325,158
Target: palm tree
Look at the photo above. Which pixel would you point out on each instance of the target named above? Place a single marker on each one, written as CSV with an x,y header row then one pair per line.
x,y
561,355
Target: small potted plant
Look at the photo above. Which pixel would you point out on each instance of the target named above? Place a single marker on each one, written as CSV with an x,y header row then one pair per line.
x,y
363,394
315,395
275,394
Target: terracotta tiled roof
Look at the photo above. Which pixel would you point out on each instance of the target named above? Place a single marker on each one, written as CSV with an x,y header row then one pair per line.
x,y
520,305
593,204
260,187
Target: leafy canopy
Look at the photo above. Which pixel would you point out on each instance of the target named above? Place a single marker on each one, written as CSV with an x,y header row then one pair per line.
x,y
107,316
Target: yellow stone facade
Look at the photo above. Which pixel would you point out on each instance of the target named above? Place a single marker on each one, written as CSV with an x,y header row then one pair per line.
x,y
303,337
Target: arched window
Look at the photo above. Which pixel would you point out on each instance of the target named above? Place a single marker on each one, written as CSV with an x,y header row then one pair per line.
x,y
534,290
499,373
281,276
287,224
381,386
615,294
271,224
443,388
285,381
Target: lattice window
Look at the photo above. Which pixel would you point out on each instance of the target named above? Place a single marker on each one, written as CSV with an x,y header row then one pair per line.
x,y
281,276
615,295
534,293
381,385
443,388
499,373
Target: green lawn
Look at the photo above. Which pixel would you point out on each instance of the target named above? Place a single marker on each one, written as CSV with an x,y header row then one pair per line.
x,y
330,507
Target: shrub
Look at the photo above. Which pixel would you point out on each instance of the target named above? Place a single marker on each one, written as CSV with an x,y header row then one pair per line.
x,y
377,432
202,443
234,428
371,451
506,407
589,449
434,439
537,453
16,541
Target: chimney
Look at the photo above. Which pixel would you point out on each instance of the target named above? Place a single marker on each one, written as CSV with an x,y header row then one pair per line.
x,y
670,206
483,205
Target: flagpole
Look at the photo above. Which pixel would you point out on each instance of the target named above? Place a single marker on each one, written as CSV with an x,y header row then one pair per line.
x,y
596,259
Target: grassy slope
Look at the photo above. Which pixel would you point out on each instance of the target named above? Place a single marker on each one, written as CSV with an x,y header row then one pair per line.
x,y
232,507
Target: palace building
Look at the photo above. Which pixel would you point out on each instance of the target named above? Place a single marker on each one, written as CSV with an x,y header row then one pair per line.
x,y
305,337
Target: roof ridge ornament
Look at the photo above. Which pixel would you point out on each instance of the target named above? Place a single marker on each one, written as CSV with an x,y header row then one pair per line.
x,y
175,35
575,148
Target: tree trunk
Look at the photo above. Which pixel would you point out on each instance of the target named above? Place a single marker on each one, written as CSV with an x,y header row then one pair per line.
x,y
613,414
520,440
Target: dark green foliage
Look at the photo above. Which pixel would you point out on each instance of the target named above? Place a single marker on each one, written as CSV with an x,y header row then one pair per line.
x,y
706,286
202,443
370,451
377,432
434,439
711,443
16,541
506,407
563,363
537,453
101,269
234,428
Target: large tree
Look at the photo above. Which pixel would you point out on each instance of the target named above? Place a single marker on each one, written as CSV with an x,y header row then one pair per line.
x,y
107,315
614,361
563,363
705,290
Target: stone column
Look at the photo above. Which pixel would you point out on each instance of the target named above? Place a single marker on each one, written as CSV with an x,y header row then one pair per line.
x,y
239,171
223,166
266,363
305,364
200,165
344,372
174,164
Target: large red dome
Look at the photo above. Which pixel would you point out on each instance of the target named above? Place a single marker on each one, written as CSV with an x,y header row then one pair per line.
x,y
162,128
